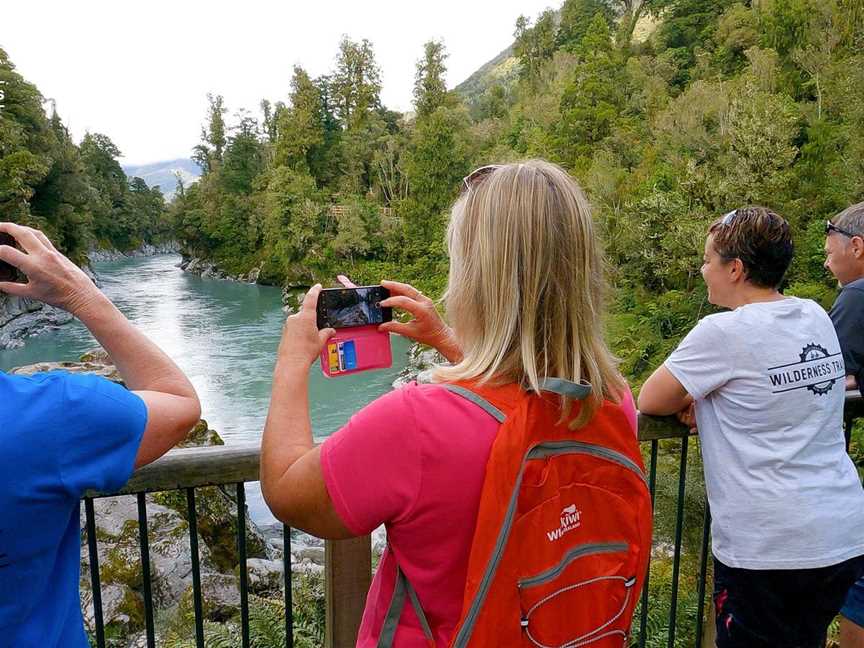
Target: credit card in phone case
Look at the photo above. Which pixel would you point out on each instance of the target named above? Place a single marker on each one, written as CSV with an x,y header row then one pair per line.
x,y
333,357
349,355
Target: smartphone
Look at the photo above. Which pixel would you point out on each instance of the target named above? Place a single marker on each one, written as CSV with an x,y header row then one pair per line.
x,y
8,272
351,307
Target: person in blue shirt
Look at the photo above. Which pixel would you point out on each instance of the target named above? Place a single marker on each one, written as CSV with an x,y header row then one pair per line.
x,y
63,434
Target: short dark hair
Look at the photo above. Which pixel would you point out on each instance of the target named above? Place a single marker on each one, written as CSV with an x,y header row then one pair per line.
x,y
759,237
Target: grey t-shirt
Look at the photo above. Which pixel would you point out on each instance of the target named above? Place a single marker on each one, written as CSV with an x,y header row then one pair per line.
x,y
768,381
847,313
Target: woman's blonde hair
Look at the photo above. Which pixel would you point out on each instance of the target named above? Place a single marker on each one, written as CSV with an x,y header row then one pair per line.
x,y
525,294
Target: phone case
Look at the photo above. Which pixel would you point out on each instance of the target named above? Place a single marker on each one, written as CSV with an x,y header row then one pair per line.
x,y
356,349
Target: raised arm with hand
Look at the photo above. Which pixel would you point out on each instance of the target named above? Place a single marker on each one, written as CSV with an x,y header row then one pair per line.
x,y
291,478
426,327
172,404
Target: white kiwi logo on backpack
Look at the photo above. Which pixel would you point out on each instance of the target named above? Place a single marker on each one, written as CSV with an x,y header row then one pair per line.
x,y
571,518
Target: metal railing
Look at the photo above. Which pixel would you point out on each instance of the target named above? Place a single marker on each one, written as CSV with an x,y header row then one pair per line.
x,y
348,563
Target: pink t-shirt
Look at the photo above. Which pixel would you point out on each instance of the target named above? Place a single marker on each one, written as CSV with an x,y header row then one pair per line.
x,y
414,460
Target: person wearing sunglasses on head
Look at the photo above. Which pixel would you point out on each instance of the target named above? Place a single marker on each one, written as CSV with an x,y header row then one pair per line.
x,y
768,384
524,299
63,434
844,257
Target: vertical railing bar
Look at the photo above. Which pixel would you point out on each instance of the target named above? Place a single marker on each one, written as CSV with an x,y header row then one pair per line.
x,y
95,582
289,601
652,483
679,527
192,514
241,548
144,543
703,575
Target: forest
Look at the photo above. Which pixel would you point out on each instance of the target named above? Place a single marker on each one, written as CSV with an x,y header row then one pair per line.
x,y
77,193
669,113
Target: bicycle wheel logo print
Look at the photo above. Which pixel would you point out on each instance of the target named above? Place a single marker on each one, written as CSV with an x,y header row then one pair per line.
x,y
815,352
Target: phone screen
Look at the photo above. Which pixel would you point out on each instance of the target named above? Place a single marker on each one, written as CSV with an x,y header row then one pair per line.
x,y
346,307
7,272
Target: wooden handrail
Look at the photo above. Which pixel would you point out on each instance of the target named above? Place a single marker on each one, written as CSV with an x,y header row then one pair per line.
x,y
348,563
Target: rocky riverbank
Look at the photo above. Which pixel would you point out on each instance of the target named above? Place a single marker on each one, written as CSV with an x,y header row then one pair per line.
x,y
23,318
205,268
169,247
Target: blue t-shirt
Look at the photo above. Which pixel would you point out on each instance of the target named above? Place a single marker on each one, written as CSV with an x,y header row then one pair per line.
x,y
60,435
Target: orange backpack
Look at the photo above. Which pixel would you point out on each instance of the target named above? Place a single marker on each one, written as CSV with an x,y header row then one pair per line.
x,y
563,532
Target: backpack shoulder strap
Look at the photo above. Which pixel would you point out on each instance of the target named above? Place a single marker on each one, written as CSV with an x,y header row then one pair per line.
x,y
478,400
499,400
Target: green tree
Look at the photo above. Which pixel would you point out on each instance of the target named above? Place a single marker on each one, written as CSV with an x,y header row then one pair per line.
x,y
436,161
301,125
430,89
62,201
356,84
534,45
25,142
576,16
591,101
243,157
208,153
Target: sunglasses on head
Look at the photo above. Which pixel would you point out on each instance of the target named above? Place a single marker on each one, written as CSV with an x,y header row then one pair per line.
x,y
831,227
728,218
477,175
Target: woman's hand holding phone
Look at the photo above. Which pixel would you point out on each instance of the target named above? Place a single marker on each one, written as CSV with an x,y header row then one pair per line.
x,y
426,327
301,340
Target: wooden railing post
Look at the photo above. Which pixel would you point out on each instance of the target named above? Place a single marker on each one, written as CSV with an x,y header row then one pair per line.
x,y
347,576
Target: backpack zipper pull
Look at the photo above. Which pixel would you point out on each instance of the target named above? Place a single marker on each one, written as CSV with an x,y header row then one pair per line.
x,y
524,622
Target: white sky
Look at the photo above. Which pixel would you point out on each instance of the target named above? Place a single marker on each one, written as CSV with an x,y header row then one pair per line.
x,y
140,72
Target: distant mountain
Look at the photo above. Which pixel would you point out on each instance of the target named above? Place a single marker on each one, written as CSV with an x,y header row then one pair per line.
x,y
162,174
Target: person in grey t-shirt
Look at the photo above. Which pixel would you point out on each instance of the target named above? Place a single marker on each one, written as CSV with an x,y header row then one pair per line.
x,y
768,383
844,257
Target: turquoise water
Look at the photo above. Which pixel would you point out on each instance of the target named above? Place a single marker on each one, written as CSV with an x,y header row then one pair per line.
x,y
224,335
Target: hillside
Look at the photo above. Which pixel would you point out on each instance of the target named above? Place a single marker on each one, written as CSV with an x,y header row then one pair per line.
x,y
504,68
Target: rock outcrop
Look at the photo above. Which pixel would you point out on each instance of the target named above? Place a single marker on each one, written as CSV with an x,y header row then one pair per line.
x,y
96,255
204,268
22,318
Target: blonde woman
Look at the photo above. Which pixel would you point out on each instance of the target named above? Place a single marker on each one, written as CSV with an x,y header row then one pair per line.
x,y
524,299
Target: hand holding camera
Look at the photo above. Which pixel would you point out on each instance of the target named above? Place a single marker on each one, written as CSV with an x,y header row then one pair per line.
x,y
301,339
51,277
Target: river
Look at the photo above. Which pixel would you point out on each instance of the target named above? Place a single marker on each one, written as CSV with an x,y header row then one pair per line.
x,y
224,335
